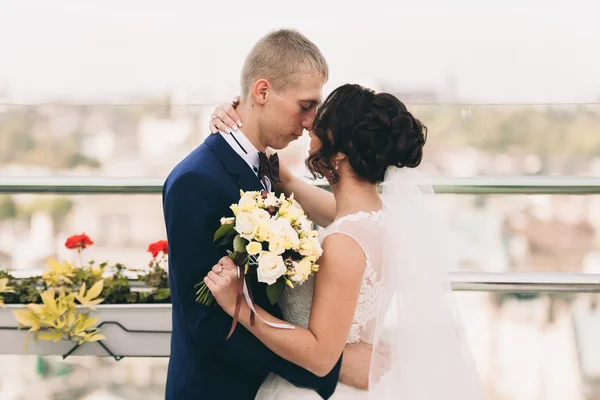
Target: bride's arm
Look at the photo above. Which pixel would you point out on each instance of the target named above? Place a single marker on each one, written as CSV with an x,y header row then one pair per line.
x,y
318,203
337,286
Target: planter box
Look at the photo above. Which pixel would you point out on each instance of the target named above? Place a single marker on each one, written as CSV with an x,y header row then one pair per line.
x,y
144,331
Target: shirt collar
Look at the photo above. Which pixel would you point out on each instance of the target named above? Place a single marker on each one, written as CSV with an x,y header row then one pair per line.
x,y
243,147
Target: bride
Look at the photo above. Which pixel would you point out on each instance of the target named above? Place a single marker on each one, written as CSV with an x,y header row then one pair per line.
x,y
381,279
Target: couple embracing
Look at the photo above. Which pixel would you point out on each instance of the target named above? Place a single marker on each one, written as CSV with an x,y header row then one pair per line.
x,y
378,320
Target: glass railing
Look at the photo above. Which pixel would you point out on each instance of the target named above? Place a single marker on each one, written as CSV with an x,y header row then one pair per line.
x,y
112,191
521,182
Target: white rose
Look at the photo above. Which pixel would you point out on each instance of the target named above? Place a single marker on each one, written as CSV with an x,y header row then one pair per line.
x,y
317,247
270,267
277,245
278,225
272,201
305,224
281,228
296,277
259,215
246,197
292,241
227,221
244,225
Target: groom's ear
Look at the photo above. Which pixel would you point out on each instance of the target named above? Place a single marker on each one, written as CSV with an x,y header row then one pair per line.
x,y
260,91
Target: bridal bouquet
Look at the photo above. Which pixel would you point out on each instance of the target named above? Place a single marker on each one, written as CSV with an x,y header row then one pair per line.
x,y
271,237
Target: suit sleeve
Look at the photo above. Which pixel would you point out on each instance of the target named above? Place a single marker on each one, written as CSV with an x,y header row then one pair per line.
x,y
191,205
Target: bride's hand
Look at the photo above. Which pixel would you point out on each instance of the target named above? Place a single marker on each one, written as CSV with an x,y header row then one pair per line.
x,y
223,283
224,118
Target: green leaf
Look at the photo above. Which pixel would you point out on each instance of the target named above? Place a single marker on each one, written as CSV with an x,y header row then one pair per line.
x,y
227,240
223,231
274,291
239,244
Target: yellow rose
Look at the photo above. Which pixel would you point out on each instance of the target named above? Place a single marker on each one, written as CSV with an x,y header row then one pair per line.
x,y
290,212
306,247
262,231
249,206
247,201
310,247
312,258
253,248
235,208
301,271
304,268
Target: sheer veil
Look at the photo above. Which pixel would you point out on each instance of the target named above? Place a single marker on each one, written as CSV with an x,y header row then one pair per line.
x,y
420,348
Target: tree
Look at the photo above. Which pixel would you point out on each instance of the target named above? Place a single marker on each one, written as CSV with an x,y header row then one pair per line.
x,y
57,207
8,208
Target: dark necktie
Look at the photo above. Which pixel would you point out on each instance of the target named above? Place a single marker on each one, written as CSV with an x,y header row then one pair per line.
x,y
268,166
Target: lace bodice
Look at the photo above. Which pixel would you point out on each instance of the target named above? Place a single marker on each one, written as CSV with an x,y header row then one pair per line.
x,y
367,230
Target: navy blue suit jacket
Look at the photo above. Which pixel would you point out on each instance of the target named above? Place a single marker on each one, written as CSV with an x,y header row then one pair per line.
x,y
203,365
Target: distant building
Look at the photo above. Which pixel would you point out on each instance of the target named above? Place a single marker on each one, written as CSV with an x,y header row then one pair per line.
x,y
428,94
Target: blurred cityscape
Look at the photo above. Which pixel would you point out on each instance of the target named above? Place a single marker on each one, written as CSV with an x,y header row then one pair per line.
x,y
525,233
511,335
509,89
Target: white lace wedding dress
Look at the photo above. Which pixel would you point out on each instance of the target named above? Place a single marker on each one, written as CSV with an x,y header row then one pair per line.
x,y
367,230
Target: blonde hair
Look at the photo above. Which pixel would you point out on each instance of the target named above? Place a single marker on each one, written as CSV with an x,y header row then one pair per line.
x,y
280,57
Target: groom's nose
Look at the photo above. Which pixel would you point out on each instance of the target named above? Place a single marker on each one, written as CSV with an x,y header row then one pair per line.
x,y
309,119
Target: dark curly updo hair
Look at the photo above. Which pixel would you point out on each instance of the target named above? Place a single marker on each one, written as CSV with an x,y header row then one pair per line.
x,y
374,131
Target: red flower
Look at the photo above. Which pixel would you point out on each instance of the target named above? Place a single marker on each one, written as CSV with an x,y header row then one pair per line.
x,y
157,247
79,242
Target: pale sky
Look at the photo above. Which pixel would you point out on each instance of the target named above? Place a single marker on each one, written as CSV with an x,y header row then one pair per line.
x,y
93,50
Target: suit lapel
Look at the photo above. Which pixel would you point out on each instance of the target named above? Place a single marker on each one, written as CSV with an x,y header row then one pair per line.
x,y
243,176
236,167
248,181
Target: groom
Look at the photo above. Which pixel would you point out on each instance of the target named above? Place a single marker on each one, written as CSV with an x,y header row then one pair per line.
x,y
282,79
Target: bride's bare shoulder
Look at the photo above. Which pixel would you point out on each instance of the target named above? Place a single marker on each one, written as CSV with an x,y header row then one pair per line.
x,y
342,252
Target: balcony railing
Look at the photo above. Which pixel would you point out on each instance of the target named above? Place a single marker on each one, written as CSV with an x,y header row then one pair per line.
x,y
481,185
539,282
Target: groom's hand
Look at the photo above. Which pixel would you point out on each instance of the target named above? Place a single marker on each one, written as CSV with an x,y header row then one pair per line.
x,y
356,363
